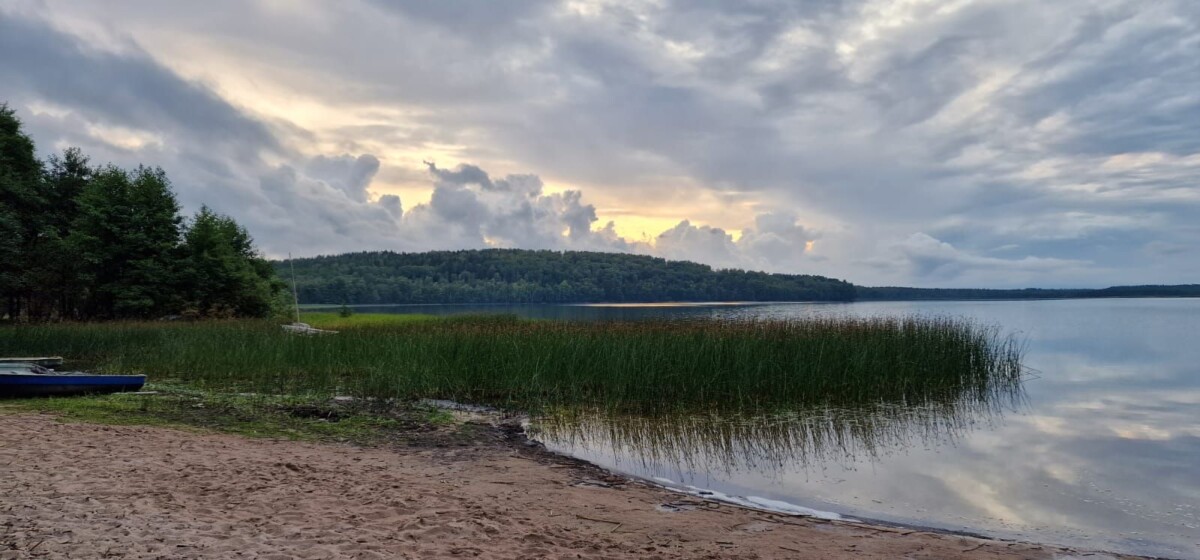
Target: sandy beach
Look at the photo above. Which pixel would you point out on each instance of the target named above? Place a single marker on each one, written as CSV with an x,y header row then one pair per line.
x,y
96,491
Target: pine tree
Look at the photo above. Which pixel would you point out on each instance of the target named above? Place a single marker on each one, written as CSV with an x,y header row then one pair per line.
x,y
21,208
59,264
223,276
127,235
106,243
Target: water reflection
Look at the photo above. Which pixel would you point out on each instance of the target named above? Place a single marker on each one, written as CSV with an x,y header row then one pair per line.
x,y
725,443
1101,454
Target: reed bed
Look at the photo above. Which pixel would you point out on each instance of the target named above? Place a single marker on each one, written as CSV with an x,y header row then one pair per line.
x,y
508,362
716,441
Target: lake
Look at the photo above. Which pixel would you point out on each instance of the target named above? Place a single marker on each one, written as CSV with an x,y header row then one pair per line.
x,y
1100,450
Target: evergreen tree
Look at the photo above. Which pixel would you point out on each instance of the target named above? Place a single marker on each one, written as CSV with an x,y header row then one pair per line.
x,y
66,178
95,236
59,264
127,235
223,276
84,243
20,210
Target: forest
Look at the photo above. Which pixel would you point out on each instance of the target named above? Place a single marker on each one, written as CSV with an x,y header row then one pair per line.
x,y
524,276
85,242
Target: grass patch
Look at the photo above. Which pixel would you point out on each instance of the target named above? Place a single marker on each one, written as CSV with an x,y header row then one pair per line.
x,y
296,418
507,362
334,320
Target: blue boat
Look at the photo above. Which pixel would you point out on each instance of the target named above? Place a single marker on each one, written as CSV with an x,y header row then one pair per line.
x,y
32,380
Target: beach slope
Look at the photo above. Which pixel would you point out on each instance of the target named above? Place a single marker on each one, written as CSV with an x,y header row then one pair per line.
x,y
96,491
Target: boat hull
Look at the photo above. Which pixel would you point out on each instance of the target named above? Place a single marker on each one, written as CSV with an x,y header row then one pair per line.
x,y
50,385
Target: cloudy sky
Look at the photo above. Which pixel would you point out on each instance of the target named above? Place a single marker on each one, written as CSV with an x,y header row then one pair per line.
x,y
920,142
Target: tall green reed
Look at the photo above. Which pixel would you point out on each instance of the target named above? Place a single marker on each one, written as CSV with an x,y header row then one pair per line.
x,y
504,361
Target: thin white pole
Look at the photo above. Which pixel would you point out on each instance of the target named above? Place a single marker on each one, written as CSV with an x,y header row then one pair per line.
x,y
295,293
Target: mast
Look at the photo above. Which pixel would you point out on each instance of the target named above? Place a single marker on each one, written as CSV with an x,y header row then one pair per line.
x,y
295,293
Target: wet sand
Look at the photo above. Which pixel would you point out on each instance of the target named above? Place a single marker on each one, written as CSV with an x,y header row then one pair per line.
x,y
93,491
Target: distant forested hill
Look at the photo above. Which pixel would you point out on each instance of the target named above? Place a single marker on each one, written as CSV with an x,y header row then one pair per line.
x,y
522,276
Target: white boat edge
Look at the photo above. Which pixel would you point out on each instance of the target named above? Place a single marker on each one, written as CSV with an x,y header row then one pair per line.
x,y
305,328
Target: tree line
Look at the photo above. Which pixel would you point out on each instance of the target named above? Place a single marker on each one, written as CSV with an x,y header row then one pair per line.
x,y
525,276
85,242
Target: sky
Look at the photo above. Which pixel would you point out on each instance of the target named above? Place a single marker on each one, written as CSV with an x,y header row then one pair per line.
x,y
937,143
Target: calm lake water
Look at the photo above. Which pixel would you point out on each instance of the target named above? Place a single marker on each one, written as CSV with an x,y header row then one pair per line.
x,y
1100,451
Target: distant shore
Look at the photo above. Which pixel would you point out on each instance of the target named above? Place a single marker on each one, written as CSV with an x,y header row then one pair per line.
x,y
87,490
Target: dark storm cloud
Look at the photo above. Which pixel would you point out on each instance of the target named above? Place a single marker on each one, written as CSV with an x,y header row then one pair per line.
x,y
128,89
474,16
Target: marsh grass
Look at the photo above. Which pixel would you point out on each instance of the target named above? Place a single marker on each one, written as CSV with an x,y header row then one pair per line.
x,y
508,362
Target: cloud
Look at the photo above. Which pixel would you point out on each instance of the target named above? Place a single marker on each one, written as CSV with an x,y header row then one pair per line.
x,y
470,209
934,261
697,243
119,91
307,204
392,204
351,175
804,137
513,211
473,18
777,242
777,237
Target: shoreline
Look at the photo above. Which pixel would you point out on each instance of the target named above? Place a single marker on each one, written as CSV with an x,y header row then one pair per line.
x,y
820,516
74,490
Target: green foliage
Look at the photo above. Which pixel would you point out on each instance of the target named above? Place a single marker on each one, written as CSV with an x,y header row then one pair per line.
x,y
21,206
107,243
345,312
223,276
58,264
504,361
521,276
127,233
282,306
